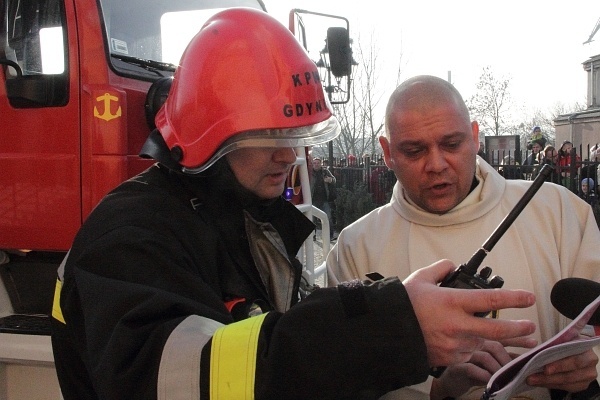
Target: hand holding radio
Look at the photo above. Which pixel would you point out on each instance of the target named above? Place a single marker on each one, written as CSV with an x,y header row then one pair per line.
x,y
446,317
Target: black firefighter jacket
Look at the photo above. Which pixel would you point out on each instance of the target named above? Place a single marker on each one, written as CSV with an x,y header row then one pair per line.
x,y
144,306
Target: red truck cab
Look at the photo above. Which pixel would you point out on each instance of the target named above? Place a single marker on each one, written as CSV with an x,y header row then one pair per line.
x,y
74,84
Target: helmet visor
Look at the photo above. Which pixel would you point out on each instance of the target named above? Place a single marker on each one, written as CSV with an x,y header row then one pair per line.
x,y
288,137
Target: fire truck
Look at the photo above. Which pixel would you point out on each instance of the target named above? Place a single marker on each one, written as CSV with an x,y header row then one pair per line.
x,y
80,83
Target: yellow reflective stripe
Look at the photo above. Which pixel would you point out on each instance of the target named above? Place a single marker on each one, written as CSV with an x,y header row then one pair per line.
x,y
233,360
56,310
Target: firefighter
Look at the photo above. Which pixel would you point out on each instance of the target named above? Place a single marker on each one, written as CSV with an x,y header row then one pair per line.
x,y
184,283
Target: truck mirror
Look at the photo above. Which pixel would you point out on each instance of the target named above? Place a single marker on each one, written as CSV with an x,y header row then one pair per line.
x,y
32,91
340,53
334,59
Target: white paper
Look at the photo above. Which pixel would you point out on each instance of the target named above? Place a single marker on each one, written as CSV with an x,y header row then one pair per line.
x,y
510,379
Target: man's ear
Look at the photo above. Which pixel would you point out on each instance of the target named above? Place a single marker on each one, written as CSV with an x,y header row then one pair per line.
x,y
475,132
385,146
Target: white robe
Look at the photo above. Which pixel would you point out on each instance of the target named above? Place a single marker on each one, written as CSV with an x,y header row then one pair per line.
x,y
554,237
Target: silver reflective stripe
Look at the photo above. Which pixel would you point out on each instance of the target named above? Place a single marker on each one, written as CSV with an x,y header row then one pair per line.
x,y
61,267
179,371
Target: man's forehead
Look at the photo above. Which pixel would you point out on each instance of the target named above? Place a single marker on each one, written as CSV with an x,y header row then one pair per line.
x,y
430,112
431,138
439,122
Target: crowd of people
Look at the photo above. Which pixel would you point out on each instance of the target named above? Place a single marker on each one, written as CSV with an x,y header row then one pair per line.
x,y
184,281
568,169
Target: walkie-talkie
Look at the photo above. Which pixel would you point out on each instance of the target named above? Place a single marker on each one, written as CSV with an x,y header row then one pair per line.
x,y
466,275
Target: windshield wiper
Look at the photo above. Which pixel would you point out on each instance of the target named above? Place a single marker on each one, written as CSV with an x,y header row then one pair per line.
x,y
150,65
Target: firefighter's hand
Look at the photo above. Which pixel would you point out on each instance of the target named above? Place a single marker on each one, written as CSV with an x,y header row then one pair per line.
x,y
572,374
458,379
446,316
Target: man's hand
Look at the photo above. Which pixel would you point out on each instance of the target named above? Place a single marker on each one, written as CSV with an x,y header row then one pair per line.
x,y
572,374
458,379
452,333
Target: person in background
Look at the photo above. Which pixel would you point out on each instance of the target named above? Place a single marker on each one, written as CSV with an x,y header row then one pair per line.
x,y
184,282
595,153
550,156
378,182
589,168
509,168
322,189
536,148
481,152
446,203
588,191
595,156
537,136
565,160
536,145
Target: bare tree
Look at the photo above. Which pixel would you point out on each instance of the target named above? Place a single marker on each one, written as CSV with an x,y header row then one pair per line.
x,y
491,103
545,120
562,109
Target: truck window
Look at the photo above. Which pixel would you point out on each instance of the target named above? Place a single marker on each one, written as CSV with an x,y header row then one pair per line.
x,y
151,46
52,52
34,53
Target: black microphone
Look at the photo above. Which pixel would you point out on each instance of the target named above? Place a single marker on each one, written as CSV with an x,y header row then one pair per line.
x,y
571,295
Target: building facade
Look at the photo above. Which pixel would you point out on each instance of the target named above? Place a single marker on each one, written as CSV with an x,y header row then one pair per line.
x,y
583,128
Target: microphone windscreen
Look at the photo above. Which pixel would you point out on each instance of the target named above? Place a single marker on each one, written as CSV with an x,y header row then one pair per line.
x,y
571,295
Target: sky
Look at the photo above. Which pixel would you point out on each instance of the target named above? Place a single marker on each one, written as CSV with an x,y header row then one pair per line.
x,y
538,45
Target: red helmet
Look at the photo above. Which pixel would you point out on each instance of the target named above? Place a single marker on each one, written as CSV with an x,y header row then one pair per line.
x,y
243,81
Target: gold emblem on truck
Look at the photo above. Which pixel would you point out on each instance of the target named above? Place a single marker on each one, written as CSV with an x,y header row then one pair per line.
x,y
107,98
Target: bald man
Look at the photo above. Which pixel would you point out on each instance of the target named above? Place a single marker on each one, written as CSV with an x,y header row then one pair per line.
x,y
446,203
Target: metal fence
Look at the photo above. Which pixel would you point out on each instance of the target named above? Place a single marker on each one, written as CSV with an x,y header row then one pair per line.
x,y
371,172
379,180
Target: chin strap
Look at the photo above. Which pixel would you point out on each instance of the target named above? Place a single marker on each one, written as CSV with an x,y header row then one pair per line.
x,y
156,148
